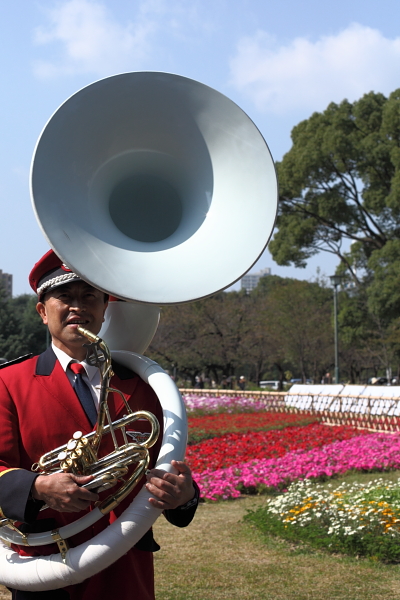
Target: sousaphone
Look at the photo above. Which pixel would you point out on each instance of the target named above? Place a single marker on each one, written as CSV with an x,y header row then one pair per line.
x,y
157,190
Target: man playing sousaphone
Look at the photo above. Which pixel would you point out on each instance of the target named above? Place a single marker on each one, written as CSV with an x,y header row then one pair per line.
x,y
43,401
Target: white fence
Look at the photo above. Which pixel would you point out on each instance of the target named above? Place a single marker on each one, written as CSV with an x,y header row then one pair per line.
x,y
367,407
358,399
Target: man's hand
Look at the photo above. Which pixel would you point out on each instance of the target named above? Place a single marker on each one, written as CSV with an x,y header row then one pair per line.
x,y
169,490
62,491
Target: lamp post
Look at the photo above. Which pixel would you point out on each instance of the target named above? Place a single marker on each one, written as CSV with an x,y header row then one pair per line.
x,y
335,281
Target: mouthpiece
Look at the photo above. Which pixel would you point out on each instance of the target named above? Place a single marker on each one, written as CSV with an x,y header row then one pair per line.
x,y
88,334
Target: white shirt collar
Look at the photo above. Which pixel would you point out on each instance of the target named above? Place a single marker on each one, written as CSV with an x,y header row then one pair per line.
x,y
64,359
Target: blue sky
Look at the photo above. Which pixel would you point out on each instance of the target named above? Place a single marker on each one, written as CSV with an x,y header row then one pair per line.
x,y
279,60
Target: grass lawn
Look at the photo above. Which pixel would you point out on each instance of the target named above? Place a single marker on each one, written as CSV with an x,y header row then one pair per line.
x,y
220,558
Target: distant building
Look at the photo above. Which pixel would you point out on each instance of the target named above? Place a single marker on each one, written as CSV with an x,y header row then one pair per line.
x,y
6,283
250,281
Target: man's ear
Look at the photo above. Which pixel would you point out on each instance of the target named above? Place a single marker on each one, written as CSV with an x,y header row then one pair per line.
x,y
41,309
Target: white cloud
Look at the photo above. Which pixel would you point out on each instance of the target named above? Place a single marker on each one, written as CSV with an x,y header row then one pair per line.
x,y
308,75
91,40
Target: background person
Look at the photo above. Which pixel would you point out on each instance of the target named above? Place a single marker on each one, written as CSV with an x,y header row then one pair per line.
x,y
242,382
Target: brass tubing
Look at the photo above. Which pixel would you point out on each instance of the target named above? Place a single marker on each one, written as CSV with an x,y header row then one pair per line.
x,y
48,460
112,501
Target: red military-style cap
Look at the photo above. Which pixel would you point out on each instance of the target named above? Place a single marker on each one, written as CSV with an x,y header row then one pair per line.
x,y
50,272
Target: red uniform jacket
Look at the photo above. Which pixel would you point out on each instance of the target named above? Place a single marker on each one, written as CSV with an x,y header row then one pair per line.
x,y
39,411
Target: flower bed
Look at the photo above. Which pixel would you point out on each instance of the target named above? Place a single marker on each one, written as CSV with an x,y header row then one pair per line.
x,y
220,424
230,404
261,451
367,452
360,519
235,449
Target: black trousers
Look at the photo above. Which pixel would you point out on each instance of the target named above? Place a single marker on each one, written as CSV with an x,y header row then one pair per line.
x,y
49,595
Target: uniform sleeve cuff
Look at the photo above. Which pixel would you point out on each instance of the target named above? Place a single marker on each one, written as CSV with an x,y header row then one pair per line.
x,y
183,515
16,502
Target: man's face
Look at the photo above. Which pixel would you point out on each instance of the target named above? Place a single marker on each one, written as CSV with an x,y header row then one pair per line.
x,y
68,306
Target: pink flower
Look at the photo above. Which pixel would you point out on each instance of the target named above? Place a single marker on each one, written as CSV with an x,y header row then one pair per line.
x,y
377,451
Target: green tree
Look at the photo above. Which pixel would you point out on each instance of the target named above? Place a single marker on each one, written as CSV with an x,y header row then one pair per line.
x,y
303,316
176,343
21,329
384,288
32,328
365,346
203,337
282,325
341,181
12,343
268,336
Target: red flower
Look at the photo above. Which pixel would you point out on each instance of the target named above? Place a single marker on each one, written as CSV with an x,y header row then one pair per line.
x,y
219,424
236,447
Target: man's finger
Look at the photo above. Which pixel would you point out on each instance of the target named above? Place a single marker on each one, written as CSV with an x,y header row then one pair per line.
x,y
181,467
155,473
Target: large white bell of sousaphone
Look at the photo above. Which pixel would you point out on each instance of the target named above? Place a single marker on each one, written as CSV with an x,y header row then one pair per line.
x,y
154,187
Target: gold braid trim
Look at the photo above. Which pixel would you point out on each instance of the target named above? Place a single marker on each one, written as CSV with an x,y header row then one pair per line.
x,y
8,470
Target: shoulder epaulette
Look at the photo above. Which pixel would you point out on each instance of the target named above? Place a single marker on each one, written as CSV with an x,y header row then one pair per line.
x,y
15,361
